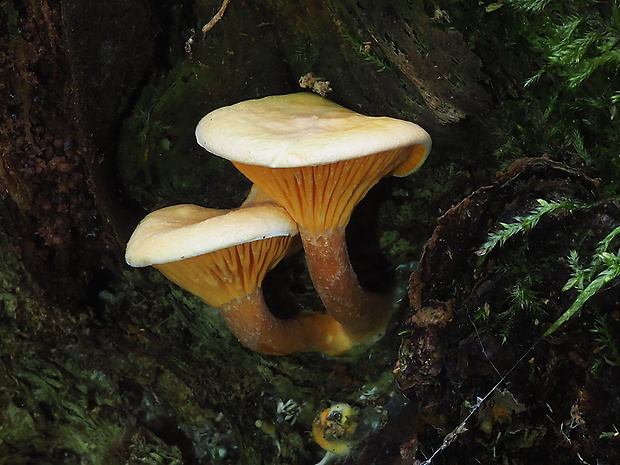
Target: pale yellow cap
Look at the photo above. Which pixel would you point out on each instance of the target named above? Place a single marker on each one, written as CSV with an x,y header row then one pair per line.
x,y
301,129
184,231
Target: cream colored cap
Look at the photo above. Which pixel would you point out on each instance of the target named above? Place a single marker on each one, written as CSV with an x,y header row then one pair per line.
x,y
184,231
301,129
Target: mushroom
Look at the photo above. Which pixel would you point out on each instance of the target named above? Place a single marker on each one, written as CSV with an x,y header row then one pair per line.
x,y
318,160
222,257
334,428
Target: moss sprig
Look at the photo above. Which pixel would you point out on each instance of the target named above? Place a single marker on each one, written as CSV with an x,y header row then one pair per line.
x,y
603,269
524,224
609,344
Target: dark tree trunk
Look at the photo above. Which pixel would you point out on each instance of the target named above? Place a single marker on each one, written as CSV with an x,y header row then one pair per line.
x,y
101,363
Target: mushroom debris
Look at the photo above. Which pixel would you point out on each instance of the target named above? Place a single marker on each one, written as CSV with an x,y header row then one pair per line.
x,y
318,160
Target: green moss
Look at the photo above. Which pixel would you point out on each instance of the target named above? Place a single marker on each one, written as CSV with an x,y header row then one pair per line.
x,y
10,22
554,68
159,159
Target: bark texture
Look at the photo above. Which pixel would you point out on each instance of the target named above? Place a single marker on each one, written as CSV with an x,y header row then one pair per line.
x,y
100,363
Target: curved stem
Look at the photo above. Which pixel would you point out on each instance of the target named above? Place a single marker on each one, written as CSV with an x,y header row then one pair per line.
x,y
362,313
255,326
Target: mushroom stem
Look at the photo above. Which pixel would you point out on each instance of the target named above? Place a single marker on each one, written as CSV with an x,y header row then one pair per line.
x,y
254,325
362,313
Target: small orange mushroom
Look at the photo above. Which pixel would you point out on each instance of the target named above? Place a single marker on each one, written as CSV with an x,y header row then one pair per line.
x,y
334,428
222,257
318,160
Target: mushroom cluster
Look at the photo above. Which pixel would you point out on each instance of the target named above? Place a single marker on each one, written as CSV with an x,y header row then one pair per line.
x,y
311,162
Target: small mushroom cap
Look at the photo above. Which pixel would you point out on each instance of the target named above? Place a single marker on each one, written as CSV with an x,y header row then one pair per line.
x,y
334,428
304,129
184,231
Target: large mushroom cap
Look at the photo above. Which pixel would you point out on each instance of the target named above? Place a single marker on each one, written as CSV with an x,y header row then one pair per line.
x,y
185,231
304,129
312,156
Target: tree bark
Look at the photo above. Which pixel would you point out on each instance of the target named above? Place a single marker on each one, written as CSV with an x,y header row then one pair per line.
x,y
100,363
